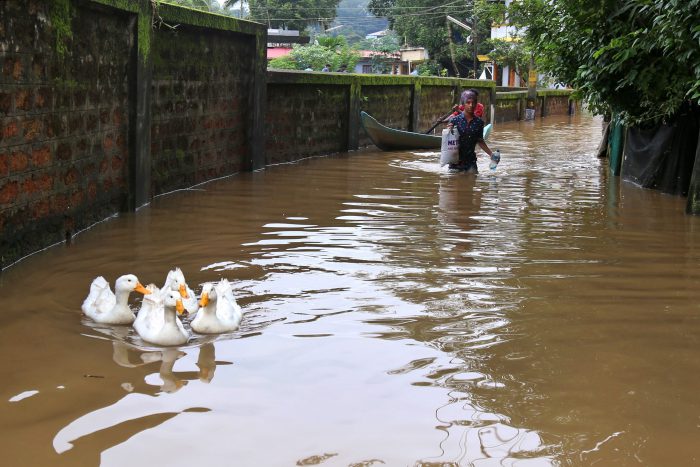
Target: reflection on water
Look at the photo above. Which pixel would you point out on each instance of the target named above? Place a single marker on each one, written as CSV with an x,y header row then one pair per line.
x,y
394,314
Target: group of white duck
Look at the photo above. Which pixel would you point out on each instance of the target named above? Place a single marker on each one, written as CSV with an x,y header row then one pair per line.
x,y
158,320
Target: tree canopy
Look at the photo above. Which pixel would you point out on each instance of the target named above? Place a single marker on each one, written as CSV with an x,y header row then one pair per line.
x,y
424,23
638,58
327,50
293,14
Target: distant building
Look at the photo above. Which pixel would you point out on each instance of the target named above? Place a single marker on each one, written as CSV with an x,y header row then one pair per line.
x,y
277,52
285,38
364,65
377,35
503,75
411,57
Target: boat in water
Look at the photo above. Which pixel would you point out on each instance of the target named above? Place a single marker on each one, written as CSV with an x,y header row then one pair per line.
x,y
390,139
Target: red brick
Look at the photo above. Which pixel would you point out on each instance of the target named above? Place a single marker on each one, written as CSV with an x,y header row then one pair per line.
x,y
76,199
104,164
5,102
41,156
121,141
71,176
42,98
59,203
44,183
17,70
92,190
8,192
117,163
75,123
19,161
34,185
107,143
32,128
63,152
4,164
22,100
10,129
41,209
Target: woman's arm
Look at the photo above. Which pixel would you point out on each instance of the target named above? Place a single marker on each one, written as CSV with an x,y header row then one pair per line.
x,y
484,147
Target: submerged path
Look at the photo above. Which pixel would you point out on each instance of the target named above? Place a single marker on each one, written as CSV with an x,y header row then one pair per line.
x,y
394,315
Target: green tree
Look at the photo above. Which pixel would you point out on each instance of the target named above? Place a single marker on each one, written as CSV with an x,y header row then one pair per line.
x,y
382,51
514,54
638,58
423,23
315,56
293,14
356,21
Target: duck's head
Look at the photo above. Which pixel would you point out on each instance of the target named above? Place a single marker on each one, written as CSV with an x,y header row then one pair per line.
x,y
172,299
208,294
178,283
130,283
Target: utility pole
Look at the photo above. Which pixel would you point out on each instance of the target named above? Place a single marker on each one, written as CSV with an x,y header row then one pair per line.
x,y
530,109
475,39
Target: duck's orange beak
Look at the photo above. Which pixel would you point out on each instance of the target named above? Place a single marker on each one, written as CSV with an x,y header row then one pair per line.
x,y
179,307
204,300
183,291
140,288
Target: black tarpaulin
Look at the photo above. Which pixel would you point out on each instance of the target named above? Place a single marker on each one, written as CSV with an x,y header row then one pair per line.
x,y
662,156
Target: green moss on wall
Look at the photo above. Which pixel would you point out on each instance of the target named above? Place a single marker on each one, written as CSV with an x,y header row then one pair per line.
x,y
60,16
303,77
554,92
126,5
144,35
513,95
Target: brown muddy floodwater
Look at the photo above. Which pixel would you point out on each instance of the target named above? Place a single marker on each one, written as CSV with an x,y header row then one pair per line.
x,y
394,314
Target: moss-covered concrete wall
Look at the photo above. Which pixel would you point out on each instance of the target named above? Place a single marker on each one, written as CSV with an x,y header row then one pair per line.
x,y
200,101
303,120
319,113
100,110
64,121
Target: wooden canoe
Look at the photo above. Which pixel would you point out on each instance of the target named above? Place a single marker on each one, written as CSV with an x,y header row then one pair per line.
x,y
390,139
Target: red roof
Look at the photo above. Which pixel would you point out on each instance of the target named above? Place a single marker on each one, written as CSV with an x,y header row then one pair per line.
x,y
369,53
277,52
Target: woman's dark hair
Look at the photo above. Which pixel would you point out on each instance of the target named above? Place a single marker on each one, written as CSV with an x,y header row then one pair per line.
x,y
472,94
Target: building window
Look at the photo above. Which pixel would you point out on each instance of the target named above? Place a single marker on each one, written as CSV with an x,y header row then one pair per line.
x,y
366,68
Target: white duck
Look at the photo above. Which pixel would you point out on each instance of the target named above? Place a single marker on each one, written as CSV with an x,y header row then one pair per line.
x,y
176,281
103,306
151,312
160,324
219,311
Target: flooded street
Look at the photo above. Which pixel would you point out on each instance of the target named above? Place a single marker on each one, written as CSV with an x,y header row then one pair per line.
x,y
394,314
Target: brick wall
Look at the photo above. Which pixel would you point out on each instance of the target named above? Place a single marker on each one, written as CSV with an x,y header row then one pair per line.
x,y
64,123
201,96
508,110
435,102
99,111
304,120
556,105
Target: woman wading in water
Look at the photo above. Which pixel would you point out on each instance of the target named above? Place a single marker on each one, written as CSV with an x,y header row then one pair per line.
x,y
471,131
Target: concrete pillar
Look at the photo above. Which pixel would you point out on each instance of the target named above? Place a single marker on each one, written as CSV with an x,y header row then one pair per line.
x,y
414,122
256,157
693,204
139,177
354,107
